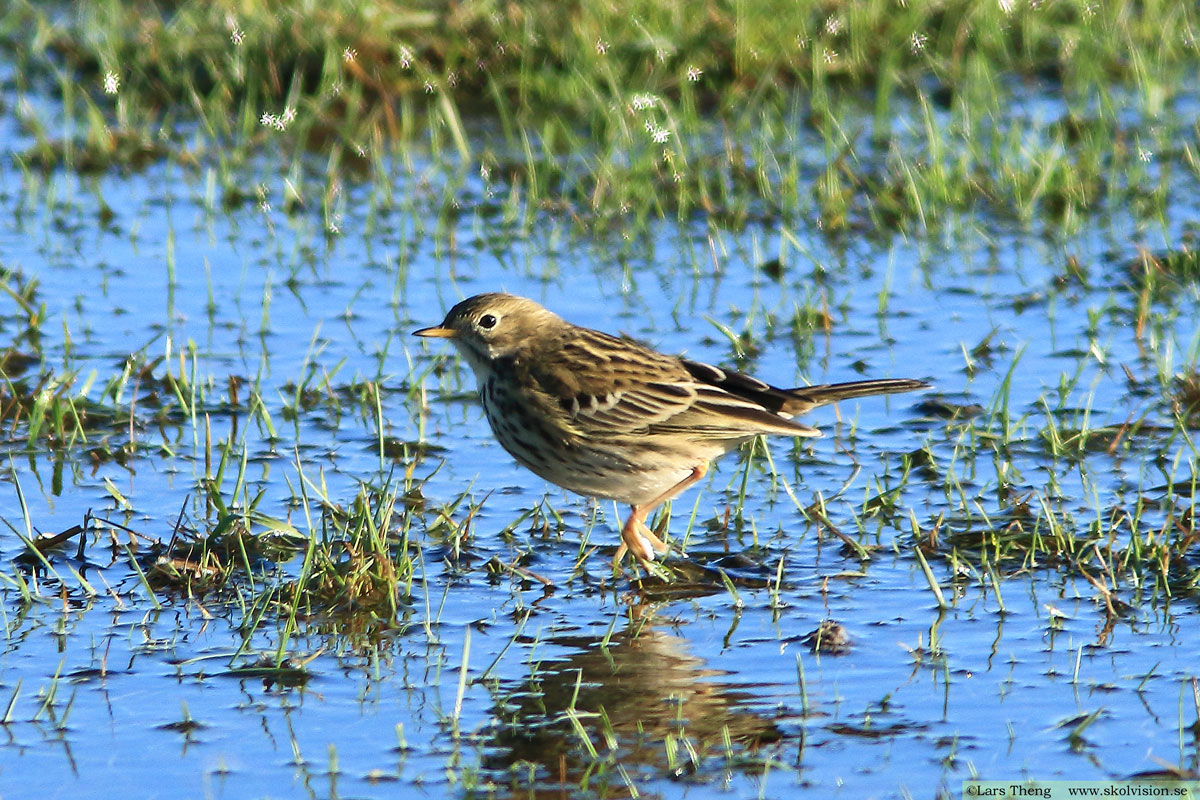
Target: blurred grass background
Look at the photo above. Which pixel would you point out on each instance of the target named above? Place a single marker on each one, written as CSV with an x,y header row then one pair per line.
x,y
655,108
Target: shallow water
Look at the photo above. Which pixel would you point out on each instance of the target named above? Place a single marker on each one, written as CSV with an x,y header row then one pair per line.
x,y
698,687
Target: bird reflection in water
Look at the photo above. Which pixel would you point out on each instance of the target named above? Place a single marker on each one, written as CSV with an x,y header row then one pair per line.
x,y
638,703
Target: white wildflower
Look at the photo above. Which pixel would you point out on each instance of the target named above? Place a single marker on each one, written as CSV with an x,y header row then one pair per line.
x,y
643,101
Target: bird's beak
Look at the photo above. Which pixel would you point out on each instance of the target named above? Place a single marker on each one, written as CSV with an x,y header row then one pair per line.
x,y
437,332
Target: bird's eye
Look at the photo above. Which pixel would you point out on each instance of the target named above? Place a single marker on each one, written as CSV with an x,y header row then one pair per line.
x,y
488,321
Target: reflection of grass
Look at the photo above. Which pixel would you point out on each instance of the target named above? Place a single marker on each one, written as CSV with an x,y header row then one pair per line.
x,y
634,107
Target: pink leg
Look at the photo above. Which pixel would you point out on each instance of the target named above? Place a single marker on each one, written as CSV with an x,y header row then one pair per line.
x,y
638,539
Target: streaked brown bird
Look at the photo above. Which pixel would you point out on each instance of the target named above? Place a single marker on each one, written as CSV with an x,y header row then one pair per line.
x,y
608,417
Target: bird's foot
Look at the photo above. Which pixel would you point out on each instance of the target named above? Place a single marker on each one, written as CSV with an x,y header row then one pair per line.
x,y
638,539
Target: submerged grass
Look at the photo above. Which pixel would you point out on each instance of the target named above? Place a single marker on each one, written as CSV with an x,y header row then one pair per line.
x,y
358,566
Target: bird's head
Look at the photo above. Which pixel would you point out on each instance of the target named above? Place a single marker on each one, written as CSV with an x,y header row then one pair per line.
x,y
490,326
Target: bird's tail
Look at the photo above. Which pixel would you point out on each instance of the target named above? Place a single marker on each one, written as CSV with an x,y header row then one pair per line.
x,y
805,398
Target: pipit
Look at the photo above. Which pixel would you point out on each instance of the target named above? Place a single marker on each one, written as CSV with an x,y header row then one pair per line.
x,y
607,417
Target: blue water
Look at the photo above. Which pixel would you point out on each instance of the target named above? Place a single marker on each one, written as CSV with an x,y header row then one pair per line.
x,y
923,699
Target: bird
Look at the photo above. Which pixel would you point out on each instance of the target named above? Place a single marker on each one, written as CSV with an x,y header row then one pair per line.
x,y
608,417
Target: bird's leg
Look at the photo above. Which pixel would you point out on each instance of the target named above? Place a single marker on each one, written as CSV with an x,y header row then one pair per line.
x,y
636,537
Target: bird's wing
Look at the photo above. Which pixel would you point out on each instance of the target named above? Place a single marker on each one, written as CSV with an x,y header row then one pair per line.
x,y
740,385
625,389
734,395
